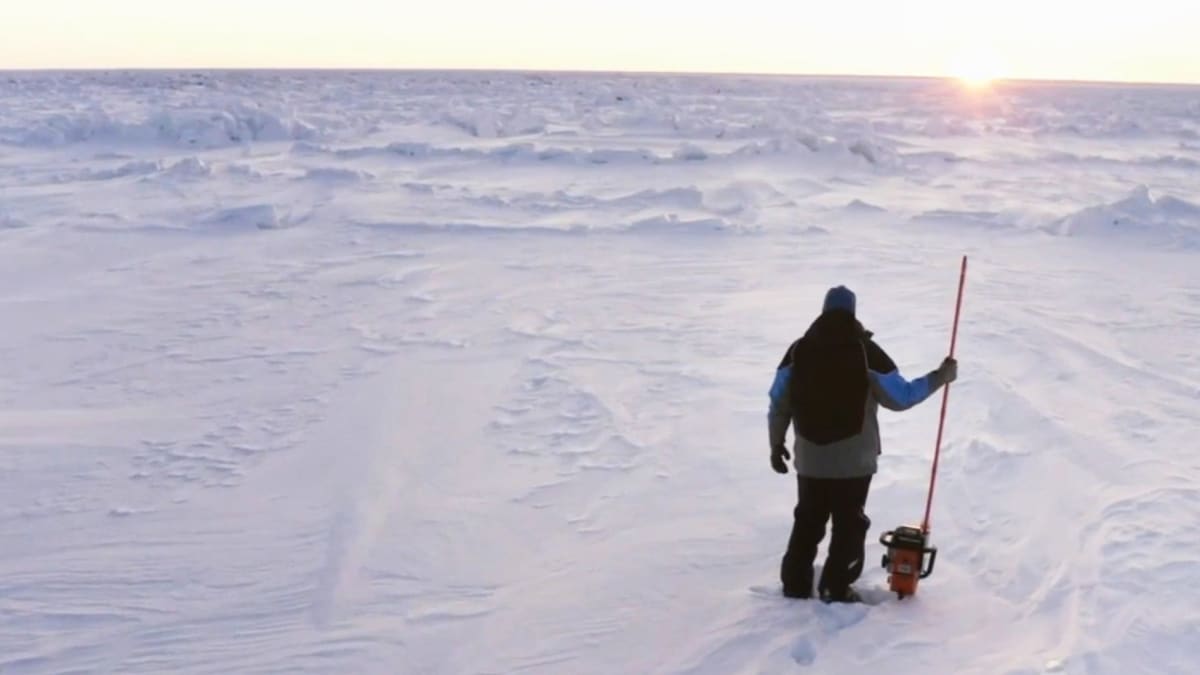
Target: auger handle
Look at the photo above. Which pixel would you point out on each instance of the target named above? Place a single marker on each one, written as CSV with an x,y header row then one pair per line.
x,y
937,448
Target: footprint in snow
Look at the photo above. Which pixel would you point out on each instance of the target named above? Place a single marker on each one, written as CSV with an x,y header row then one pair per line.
x,y
834,618
870,596
765,591
803,652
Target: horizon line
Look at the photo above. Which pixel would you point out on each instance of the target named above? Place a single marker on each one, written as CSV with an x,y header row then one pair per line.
x,y
584,71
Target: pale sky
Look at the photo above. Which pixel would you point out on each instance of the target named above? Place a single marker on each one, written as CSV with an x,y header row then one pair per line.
x,y
1146,40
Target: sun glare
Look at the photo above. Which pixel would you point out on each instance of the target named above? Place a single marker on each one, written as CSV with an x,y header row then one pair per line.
x,y
976,80
977,71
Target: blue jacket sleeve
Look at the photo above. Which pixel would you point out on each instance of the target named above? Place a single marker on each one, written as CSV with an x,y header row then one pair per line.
x,y
779,415
896,393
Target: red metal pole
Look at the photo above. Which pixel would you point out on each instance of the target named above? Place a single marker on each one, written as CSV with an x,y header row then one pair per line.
x,y
937,448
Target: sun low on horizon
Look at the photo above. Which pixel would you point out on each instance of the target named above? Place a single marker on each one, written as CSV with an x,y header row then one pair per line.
x,y
977,71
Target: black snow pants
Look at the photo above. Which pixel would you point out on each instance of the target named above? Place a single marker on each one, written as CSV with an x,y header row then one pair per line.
x,y
818,500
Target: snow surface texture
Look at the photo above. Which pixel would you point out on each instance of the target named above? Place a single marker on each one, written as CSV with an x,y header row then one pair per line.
x,y
467,373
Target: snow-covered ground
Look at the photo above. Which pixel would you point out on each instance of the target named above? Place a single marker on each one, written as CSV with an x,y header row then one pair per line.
x,y
467,372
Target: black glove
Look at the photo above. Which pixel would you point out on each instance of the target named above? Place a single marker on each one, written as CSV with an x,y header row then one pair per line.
x,y
779,457
948,371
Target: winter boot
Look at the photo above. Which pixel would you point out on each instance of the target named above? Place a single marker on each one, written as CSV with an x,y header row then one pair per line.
x,y
848,596
797,592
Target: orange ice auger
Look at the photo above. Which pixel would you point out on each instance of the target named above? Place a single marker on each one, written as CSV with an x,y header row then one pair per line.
x,y
909,556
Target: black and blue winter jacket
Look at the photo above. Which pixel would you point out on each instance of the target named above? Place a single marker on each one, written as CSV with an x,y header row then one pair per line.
x,y
828,387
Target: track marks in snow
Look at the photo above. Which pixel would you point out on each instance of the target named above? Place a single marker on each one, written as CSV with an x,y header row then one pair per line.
x,y
771,633
1136,539
455,606
1053,401
254,324
803,652
563,430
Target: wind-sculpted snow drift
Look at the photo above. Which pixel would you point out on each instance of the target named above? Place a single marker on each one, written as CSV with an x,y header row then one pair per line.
x,y
197,127
1165,219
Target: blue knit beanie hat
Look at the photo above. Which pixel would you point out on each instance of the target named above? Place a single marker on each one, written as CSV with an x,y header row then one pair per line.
x,y
839,297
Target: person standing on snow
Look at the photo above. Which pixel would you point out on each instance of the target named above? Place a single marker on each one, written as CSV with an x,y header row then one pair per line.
x,y
829,386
